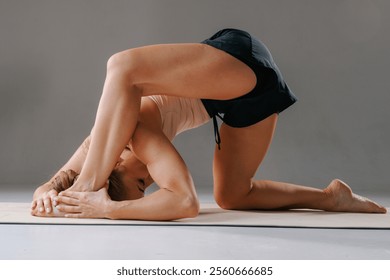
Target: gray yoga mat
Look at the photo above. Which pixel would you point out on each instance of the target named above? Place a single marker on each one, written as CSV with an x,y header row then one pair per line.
x,y
212,215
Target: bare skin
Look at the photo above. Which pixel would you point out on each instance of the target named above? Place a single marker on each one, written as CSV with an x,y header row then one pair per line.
x,y
344,200
188,70
276,195
194,71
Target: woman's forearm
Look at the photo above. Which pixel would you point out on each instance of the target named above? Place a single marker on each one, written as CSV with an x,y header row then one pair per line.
x,y
162,205
176,198
75,163
77,160
62,181
43,196
115,122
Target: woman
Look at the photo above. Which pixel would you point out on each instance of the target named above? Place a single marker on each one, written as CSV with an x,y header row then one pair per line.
x,y
154,92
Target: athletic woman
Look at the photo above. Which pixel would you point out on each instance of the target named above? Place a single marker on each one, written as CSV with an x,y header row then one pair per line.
x,y
153,93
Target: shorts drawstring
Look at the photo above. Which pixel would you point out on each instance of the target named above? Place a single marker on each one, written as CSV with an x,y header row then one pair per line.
x,y
216,131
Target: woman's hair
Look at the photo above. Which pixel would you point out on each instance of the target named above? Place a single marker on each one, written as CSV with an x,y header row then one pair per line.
x,y
115,187
64,180
118,191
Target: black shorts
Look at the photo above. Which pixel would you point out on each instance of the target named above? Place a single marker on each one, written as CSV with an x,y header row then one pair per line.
x,y
270,95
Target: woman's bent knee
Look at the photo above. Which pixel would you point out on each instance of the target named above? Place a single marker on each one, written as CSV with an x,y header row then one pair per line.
x,y
122,71
122,62
228,201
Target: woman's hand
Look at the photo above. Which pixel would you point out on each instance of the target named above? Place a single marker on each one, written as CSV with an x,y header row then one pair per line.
x,y
43,200
84,204
44,203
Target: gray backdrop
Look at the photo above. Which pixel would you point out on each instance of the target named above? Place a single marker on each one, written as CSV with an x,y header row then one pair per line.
x,y
333,54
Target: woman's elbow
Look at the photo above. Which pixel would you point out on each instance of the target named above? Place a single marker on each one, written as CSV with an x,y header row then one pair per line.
x,y
190,207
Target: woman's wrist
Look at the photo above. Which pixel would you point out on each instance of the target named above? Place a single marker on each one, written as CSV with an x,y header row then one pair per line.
x,y
85,186
110,209
42,189
88,185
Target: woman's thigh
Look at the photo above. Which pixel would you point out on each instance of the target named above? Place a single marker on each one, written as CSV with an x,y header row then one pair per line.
x,y
242,151
189,70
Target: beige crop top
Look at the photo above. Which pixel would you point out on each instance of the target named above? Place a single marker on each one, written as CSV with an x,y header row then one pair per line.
x,y
179,114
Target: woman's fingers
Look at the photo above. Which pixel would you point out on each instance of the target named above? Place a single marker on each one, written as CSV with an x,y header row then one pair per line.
x,y
40,206
53,194
47,204
71,204
68,208
48,201
81,204
44,203
33,204
66,200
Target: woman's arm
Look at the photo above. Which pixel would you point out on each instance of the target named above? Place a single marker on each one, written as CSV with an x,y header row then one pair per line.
x,y
44,194
75,163
176,198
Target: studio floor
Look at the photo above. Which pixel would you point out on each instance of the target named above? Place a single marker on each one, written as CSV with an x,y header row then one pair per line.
x,y
29,242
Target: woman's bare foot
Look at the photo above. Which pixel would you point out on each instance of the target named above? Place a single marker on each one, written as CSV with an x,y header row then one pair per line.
x,y
342,199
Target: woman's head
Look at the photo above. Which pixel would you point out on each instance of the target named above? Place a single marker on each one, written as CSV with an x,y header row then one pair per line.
x,y
129,179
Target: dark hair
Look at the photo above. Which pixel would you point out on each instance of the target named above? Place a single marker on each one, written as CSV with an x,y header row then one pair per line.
x,y
64,180
115,187
116,190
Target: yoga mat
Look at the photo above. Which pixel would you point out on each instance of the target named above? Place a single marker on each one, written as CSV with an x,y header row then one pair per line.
x,y
212,215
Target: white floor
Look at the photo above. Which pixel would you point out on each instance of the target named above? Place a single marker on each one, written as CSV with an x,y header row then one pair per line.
x,y
169,242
